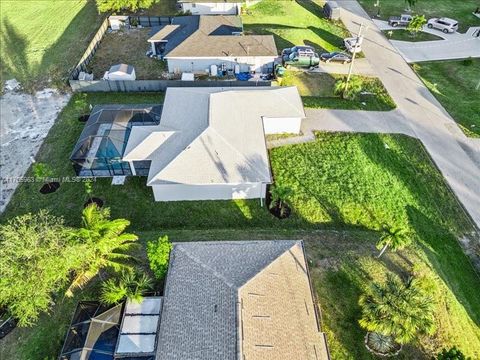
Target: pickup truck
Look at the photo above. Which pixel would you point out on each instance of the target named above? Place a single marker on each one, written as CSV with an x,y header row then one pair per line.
x,y
402,20
300,56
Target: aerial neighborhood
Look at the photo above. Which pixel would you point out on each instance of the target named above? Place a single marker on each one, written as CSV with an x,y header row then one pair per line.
x,y
240,179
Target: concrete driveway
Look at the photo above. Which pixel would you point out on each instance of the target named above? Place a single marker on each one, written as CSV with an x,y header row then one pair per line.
x,y
418,114
453,46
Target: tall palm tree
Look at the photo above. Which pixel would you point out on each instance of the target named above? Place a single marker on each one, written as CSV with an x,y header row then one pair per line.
x,y
102,244
398,309
395,237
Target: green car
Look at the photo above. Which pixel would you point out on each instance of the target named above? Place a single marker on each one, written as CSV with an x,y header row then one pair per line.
x,y
300,56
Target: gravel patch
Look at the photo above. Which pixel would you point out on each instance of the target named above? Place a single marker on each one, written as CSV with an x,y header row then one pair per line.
x,y
25,122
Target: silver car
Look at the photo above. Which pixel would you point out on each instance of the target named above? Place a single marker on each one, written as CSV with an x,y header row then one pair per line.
x,y
444,24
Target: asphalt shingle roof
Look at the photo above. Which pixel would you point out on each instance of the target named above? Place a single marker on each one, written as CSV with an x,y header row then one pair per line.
x,y
238,300
212,135
211,35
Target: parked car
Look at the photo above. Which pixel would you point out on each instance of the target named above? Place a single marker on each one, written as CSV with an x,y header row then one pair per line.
x,y
444,24
402,20
336,56
353,44
300,56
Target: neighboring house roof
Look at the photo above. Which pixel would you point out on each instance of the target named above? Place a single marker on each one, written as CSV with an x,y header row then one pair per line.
x,y
212,135
239,300
121,68
208,35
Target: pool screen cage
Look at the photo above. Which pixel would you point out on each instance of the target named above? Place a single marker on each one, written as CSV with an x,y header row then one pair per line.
x,y
93,332
101,145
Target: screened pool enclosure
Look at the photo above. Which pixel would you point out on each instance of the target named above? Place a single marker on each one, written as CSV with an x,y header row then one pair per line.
x,y
93,332
99,150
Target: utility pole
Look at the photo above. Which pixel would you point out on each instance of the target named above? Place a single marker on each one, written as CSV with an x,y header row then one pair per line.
x,y
350,70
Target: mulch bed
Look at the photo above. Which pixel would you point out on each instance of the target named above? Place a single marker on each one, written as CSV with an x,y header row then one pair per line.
x,y
83,118
94,200
276,210
49,188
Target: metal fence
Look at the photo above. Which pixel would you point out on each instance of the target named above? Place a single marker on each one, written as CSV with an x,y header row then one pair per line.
x,y
154,85
144,21
149,21
91,49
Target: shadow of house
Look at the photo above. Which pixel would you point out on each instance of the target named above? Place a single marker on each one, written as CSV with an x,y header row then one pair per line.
x,y
449,261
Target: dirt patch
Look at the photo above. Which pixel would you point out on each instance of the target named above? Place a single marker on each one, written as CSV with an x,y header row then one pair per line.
x,y
128,46
26,120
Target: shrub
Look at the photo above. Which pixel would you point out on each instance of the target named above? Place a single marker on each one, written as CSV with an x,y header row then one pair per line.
x,y
158,253
131,286
36,258
451,354
354,88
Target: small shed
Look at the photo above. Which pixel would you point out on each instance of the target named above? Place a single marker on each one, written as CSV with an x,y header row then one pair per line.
x,y
120,72
331,10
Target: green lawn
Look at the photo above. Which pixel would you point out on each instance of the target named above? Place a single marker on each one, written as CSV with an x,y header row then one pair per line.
x,y
456,85
295,23
345,186
404,35
43,40
316,90
460,10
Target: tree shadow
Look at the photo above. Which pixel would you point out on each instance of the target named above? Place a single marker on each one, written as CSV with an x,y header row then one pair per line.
x,y
14,49
58,59
311,6
449,261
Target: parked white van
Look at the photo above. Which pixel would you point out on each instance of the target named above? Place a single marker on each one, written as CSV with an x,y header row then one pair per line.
x,y
445,24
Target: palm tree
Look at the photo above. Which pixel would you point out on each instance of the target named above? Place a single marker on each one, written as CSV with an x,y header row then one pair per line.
x,y
395,237
130,286
102,244
279,198
397,309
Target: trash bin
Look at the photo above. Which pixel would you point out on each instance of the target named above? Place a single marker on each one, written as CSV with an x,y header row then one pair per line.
x,y
331,10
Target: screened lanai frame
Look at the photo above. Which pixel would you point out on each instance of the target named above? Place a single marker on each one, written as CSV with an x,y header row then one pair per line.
x,y
93,332
100,147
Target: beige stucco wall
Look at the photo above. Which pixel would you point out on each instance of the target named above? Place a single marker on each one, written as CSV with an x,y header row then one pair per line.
x,y
179,192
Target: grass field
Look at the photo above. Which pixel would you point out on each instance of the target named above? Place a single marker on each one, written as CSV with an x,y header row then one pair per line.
x,y
127,47
295,23
316,90
456,85
404,35
344,187
460,10
43,40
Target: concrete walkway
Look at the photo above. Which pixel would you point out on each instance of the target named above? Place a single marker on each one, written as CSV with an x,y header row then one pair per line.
x,y
453,46
419,114
361,67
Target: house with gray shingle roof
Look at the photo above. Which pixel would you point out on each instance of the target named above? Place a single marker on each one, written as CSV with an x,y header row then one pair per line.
x,y
239,300
195,43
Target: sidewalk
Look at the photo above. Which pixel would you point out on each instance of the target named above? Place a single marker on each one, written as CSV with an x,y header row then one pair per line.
x,y
453,46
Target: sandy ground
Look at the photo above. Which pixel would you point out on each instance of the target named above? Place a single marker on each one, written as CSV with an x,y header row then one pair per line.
x,y
24,123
